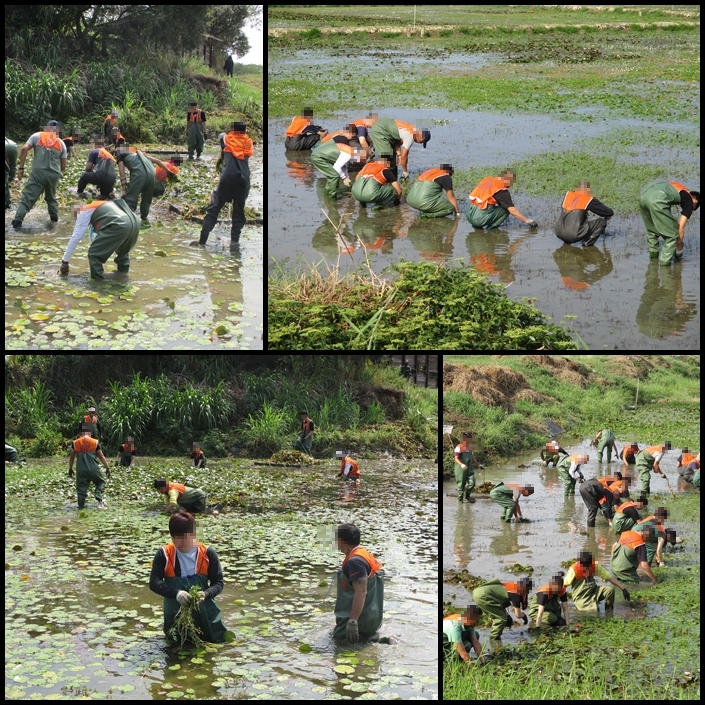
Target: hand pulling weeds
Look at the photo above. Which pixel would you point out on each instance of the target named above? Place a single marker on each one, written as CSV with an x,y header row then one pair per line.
x,y
184,628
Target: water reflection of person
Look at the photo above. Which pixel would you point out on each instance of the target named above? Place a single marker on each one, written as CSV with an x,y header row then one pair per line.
x,y
301,169
491,252
433,239
662,311
377,231
581,268
325,240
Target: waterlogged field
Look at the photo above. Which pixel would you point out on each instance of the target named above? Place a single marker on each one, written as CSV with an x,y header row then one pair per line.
x,y
175,296
82,623
612,97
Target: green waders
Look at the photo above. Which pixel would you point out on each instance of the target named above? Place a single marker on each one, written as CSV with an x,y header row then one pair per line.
x,y
644,465
623,564
569,482
87,471
552,613
208,618
367,190
504,496
655,206
11,454
490,217
370,619
586,595
492,598
465,479
195,139
303,445
142,178
554,458
622,523
323,157
385,135
696,479
117,229
11,159
605,442
652,541
46,172
428,197
193,500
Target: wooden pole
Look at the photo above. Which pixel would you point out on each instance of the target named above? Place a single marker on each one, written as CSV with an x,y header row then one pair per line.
x,y
637,392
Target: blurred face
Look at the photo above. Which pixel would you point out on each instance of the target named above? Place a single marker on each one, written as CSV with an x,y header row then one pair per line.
x,y
470,621
185,542
508,179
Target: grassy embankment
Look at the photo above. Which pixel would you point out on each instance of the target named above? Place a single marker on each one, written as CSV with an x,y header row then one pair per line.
x,y
668,408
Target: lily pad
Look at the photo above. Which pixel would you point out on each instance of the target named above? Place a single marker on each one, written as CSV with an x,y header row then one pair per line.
x,y
304,648
344,669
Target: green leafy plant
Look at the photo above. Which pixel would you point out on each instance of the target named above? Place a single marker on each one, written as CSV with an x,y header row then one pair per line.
x,y
184,627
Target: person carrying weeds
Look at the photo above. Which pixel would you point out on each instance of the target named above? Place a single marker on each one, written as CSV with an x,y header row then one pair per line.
x,y
331,158
648,460
196,121
629,553
86,452
585,593
573,224
126,452
569,471
459,636
48,165
394,137
142,178
491,203
655,204
427,193
190,499
494,597
180,565
507,496
301,135
551,454
359,604
305,439
464,472
100,171
598,497
604,440
113,228
627,515
376,184
548,601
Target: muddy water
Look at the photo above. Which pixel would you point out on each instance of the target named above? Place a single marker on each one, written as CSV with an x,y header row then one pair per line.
x,y
620,299
475,538
174,297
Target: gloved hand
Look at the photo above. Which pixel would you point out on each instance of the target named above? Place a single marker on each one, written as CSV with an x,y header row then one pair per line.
x,y
625,592
581,479
183,598
70,472
525,618
405,174
64,268
533,224
351,632
347,182
510,621
107,472
464,467
201,596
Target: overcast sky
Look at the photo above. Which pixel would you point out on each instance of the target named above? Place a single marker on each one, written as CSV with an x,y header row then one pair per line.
x,y
254,56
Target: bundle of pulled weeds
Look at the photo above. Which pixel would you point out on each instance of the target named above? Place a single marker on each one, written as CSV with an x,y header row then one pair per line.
x,y
293,457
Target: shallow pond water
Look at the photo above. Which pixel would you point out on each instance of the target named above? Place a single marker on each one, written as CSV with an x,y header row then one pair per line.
x,y
475,538
174,297
90,625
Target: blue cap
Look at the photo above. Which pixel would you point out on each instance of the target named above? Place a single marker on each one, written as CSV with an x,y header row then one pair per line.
x,y
53,123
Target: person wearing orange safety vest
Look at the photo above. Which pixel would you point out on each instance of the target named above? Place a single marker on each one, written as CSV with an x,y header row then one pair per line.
x,y
459,636
648,460
593,492
196,121
165,172
331,158
493,598
234,184
100,170
628,453
91,421
109,123
548,601
491,204
585,593
363,126
179,566
627,514
350,470
376,184
86,451
629,553
655,204
426,194
192,499
116,138
126,452
48,165
359,603
688,465
112,227
70,142
301,135
392,138
569,471
573,224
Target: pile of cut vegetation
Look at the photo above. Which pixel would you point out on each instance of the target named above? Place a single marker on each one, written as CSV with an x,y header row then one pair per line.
x,y
462,577
293,457
563,369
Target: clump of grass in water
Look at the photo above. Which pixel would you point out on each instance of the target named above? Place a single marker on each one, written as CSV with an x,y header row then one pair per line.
x,y
184,628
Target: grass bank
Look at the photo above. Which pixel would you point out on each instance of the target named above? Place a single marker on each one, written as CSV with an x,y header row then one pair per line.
x,y
507,400
416,306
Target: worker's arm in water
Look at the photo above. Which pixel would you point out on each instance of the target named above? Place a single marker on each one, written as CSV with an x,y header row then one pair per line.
x,y
539,616
404,161
681,229
360,586
657,468
517,508
462,652
519,616
397,188
645,567
453,200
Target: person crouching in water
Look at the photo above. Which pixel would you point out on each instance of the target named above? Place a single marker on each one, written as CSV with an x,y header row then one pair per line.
x,y
180,565
573,225
126,452
548,601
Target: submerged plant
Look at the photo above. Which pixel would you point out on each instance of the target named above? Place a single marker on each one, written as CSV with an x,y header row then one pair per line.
x,y
184,627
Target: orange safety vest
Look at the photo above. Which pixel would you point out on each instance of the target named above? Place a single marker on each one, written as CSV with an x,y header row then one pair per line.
x,y
576,200
582,573
354,470
91,419
104,154
238,144
514,587
631,539
85,444
680,187
483,192
112,120
201,560
128,447
117,137
360,122
360,552
163,175
49,140
547,590
176,486
331,135
195,115
405,126
373,170
298,124
625,505
431,174
89,207
652,449
609,480
307,425
464,448
687,458
631,450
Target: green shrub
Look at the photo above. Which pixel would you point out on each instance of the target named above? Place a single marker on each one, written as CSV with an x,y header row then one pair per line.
x,y
216,443
313,33
46,442
265,431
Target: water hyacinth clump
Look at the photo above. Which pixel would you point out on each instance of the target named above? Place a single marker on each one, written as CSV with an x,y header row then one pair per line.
x,y
184,628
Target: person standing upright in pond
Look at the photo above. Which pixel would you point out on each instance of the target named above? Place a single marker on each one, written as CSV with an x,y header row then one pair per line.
x,y
196,121
464,471
86,452
573,224
90,420
604,440
305,439
109,124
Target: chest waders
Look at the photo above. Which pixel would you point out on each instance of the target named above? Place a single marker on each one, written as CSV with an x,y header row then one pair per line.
x,y
234,185
623,564
586,594
195,138
87,471
118,228
569,482
464,479
44,178
370,619
427,196
142,177
368,190
605,442
193,500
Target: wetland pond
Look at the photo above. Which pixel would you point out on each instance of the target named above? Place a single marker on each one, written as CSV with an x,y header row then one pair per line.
x,y
81,620
175,297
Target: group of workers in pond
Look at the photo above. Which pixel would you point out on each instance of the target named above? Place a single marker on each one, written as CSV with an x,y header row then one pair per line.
x,y
381,142
641,537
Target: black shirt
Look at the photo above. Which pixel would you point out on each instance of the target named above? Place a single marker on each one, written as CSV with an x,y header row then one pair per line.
x,y
156,577
686,204
600,209
341,139
389,175
542,598
355,568
503,199
445,182
315,129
